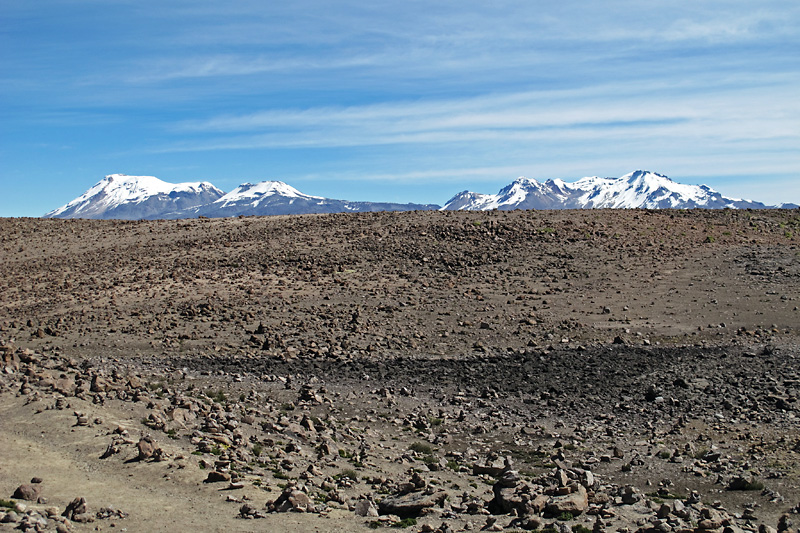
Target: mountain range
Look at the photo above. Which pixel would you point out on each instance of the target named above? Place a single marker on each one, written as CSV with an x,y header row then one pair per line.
x,y
118,196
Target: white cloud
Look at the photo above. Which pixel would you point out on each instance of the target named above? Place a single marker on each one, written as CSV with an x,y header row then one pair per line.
x,y
726,114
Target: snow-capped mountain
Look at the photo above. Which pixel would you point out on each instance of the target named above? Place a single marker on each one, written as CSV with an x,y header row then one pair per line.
x,y
135,197
639,189
278,198
145,197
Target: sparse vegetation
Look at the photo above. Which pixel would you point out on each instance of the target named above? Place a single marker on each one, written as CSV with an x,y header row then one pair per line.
x,y
350,474
217,396
421,447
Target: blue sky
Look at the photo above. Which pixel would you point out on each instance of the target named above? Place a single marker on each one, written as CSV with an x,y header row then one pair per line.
x,y
396,101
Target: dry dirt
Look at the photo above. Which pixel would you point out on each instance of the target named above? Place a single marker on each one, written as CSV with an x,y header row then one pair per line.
x,y
657,350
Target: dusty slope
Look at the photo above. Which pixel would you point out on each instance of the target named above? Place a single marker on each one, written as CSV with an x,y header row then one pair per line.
x,y
476,332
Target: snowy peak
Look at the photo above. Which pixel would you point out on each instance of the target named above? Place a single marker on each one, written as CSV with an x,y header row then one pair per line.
x,y
253,194
642,189
638,189
129,197
118,196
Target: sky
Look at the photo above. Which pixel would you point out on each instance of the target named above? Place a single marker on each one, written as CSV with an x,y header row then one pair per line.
x,y
397,101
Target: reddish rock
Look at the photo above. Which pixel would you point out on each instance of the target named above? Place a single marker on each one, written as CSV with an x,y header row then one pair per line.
x,y
28,491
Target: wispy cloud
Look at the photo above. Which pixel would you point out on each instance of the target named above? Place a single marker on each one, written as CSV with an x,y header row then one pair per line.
x,y
230,66
614,111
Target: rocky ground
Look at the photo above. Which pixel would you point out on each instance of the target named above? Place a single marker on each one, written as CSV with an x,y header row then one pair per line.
x,y
563,371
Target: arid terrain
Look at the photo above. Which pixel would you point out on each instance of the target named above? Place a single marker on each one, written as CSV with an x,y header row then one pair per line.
x,y
621,370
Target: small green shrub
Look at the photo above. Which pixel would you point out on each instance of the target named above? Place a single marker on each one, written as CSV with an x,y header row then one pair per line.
x,y
7,504
405,522
565,516
217,396
348,473
421,447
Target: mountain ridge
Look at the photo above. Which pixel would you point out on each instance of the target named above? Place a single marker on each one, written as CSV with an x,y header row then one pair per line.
x,y
638,189
119,196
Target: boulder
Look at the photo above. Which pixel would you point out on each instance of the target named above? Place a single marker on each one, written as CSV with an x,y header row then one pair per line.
x,y
146,448
411,504
365,508
27,491
292,499
75,508
574,503
216,477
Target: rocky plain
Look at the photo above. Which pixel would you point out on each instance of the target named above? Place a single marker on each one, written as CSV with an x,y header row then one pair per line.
x,y
597,370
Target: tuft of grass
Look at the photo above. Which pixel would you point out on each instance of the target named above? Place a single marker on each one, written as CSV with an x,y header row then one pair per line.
x,y
217,396
565,516
421,447
8,504
257,449
405,522
349,473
